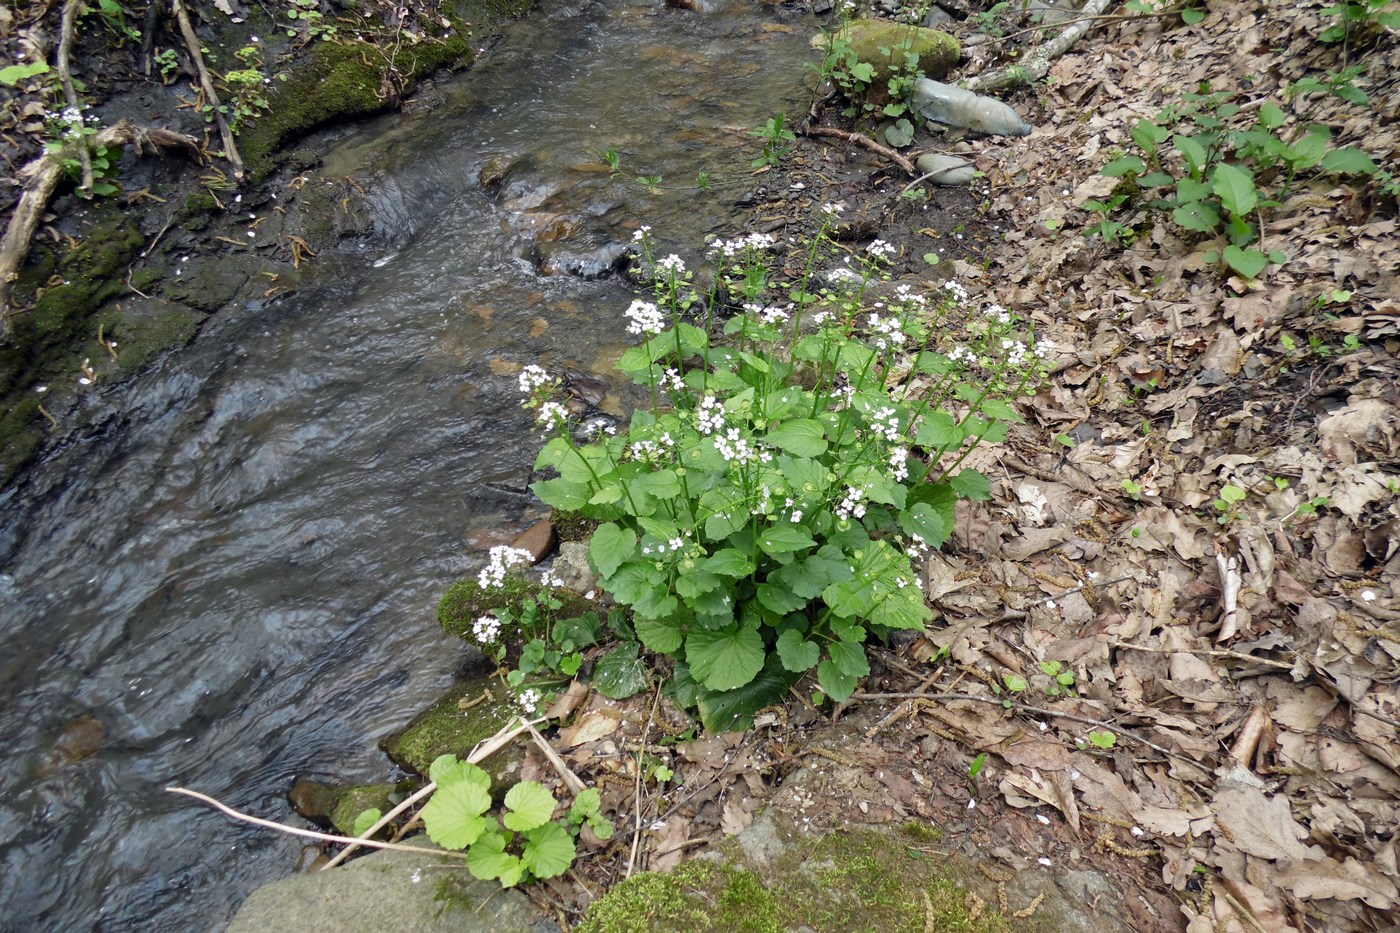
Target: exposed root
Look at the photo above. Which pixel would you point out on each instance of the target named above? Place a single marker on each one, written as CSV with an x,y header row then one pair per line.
x,y
1037,63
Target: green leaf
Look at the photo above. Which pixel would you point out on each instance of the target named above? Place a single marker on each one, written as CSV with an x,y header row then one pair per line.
x,y
725,658
1194,152
784,539
449,769
972,484
489,859
1271,115
588,803
453,817
838,684
1124,165
1348,160
728,562
779,600
803,437
1191,16
549,851
1247,262
1200,216
561,493
900,134
923,520
796,653
364,820
611,547
939,430
620,673
1016,683
529,804
660,635
849,657
14,74
1234,184
726,710
996,408
1154,180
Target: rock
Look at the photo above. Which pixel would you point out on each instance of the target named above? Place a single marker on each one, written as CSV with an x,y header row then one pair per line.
x,y
946,170
389,892
454,725
81,738
538,539
585,263
938,18
880,42
337,805
571,567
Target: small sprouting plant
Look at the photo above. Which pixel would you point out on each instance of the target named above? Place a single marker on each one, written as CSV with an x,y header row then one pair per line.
x,y
70,130
1061,679
1228,503
1340,83
1102,738
11,75
1191,14
168,61
989,21
312,23
1359,15
778,141
1111,231
526,842
803,445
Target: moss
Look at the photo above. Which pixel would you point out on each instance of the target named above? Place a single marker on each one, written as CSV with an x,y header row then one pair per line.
x,y
922,832
697,896
143,329
454,893
842,883
146,277
355,800
447,728
880,41
21,432
572,526
466,600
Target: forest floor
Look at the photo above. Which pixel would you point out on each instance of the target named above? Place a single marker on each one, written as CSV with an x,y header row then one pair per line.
x,y
1168,647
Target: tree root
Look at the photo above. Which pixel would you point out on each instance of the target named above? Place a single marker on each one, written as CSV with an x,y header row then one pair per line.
x,y
1037,63
210,97
866,142
41,178
71,9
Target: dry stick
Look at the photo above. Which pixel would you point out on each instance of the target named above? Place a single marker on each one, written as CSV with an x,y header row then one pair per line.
x,y
71,9
918,181
1123,17
571,780
1026,707
1208,652
307,833
1037,63
484,749
865,141
41,178
637,789
192,46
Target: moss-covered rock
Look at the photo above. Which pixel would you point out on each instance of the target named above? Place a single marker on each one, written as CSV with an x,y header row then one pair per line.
x,y
466,601
882,42
473,710
144,328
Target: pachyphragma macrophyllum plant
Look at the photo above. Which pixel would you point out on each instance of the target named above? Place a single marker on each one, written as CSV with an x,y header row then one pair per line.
x,y
763,517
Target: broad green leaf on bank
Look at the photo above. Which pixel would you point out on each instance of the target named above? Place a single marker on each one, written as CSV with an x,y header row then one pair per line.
x,y
528,804
610,547
620,673
796,653
1234,184
1348,160
725,658
364,820
449,769
488,860
972,484
453,817
1247,262
733,710
784,539
660,635
802,437
729,562
549,851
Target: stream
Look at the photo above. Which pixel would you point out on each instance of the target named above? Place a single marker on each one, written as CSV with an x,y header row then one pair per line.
x,y
228,579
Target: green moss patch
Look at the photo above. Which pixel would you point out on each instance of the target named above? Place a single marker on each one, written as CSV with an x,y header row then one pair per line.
x,y
881,42
447,728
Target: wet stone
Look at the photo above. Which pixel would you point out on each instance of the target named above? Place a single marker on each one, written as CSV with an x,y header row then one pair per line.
x,y
538,539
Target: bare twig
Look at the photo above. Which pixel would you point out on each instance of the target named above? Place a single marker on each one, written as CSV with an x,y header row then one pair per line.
x,y
637,789
1037,62
307,833
71,9
1208,652
1026,707
572,781
210,97
865,141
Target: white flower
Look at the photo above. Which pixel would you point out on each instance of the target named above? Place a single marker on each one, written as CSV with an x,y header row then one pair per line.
x,y
853,505
533,377
485,629
1368,595
899,464
880,249
645,318
711,415
833,208
501,560
552,414
955,290
641,233
672,263
529,700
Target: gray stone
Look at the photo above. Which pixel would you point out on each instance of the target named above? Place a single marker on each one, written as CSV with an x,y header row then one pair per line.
x,y
388,892
571,567
949,171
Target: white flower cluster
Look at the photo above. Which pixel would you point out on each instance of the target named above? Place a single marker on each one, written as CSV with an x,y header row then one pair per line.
x,y
1015,352
899,464
768,314
552,415
737,449
955,291
649,451
831,208
843,275
881,250
533,378
499,562
672,380
904,294
887,332
853,505
485,630
917,546
820,318
529,700
885,422
645,318
756,242
998,314
711,415
641,233
961,354
677,543
672,264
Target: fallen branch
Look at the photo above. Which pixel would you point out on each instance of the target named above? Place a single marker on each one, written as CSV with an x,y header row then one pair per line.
x,y
41,177
865,141
71,9
210,97
1026,707
307,833
1037,62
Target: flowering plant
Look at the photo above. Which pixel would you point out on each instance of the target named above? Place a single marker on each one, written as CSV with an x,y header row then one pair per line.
x,y
762,517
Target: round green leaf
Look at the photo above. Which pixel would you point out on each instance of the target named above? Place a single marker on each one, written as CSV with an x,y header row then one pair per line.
x,y
365,820
549,851
797,653
611,547
588,802
449,769
489,859
529,804
620,673
453,817
726,658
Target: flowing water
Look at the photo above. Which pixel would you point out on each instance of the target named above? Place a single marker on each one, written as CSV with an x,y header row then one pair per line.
x,y
228,580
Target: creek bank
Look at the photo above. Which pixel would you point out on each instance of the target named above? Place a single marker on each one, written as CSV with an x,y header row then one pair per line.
x,y
124,279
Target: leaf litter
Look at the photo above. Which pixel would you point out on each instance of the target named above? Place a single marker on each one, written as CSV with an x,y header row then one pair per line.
x,y
1194,695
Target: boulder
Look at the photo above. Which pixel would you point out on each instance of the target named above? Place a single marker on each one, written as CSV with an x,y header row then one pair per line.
x,y
880,42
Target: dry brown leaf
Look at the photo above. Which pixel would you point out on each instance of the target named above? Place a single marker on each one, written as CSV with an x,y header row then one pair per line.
x,y
592,726
1346,881
1260,825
